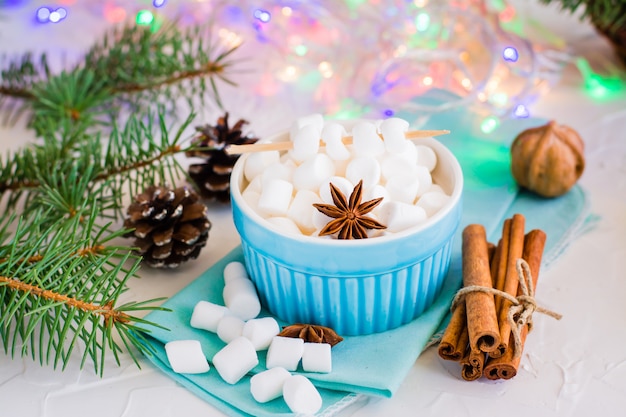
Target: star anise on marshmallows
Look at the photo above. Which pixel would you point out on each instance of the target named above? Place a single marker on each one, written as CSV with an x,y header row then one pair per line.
x,y
349,221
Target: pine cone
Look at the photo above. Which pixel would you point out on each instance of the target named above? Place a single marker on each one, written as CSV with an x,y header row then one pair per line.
x,y
212,177
170,226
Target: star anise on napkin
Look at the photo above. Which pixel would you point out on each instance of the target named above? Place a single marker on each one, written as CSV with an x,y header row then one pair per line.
x,y
311,333
349,219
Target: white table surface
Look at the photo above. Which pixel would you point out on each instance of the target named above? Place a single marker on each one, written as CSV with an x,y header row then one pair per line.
x,y
574,367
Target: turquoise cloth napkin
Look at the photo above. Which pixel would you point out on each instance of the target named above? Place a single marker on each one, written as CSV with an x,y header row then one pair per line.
x,y
377,364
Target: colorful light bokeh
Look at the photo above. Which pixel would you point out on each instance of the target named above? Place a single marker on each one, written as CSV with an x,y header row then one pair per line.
x,y
378,55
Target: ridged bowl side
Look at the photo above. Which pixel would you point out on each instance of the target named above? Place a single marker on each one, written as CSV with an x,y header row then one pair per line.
x,y
350,305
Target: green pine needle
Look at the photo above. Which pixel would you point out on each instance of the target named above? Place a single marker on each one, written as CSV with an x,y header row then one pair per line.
x,y
131,65
609,14
62,272
64,289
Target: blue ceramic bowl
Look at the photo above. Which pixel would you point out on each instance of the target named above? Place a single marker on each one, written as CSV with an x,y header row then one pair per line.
x,y
356,287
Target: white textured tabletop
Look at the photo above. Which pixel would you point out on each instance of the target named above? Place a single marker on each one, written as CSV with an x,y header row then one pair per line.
x,y
576,367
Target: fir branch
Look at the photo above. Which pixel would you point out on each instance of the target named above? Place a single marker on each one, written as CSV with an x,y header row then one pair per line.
x,y
68,294
106,311
132,158
133,59
130,65
608,14
16,92
21,74
61,274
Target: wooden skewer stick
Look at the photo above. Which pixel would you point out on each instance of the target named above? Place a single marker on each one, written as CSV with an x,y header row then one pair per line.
x,y
347,140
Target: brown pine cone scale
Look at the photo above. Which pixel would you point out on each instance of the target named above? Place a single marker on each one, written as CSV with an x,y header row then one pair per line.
x,y
170,226
212,176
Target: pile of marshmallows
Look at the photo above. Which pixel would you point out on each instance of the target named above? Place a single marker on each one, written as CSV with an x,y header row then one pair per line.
x,y
237,325
283,188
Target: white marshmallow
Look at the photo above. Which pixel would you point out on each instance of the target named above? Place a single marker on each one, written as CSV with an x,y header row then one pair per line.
x,y
399,216
437,188
256,162
364,168
344,185
314,119
316,357
255,185
306,143
397,164
402,188
320,220
332,135
393,131
301,209
376,232
277,170
285,352
426,156
251,198
241,298
285,225
234,270
432,201
377,191
261,331
229,328
235,360
424,179
312,172
275,197
340,167
301,395
366,141
206,316
268,385
186,357
409,151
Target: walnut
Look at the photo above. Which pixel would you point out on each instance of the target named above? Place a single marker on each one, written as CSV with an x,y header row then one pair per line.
x,y
547,159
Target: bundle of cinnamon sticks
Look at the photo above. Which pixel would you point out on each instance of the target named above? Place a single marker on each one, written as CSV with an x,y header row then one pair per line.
x,y
479,335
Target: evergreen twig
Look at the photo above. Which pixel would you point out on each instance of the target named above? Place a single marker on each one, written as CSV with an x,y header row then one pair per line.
x,y
131,64
610,14
61,274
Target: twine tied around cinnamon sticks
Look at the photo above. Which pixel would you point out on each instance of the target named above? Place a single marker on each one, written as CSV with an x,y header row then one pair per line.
x,y
522,307
492,313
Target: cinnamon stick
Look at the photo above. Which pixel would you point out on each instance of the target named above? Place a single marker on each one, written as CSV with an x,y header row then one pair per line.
x,y
506,366
497,278
472,365
491,251
499,266
455,338
511,281
482,322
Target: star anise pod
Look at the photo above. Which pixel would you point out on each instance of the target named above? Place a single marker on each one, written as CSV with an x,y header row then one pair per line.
x,y
311,333
349,216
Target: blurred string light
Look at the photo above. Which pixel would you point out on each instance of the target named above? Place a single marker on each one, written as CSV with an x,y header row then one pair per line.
x,y
463,48
377,56
144,17
489,124
262,15
521,111
598,86
510,54
49,15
